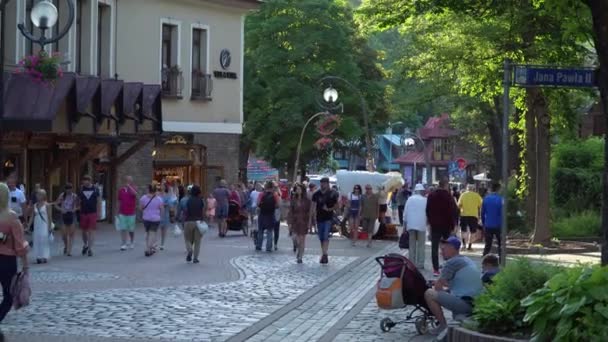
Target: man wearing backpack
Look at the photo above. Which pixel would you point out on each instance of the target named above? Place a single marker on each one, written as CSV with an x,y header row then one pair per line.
x,y
268,202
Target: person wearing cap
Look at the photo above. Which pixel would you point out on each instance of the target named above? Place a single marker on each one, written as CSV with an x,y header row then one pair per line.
x,y
457,286
325,202
415,222
470,207
441,212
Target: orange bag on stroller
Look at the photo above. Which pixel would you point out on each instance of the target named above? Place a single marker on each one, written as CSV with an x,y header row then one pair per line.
x,y
389,291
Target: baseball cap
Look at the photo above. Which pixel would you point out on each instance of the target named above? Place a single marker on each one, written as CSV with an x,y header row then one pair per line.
x,y
324,180
453,241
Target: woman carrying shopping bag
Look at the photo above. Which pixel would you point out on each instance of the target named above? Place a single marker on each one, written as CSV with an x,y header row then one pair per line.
x,y
194,215
12,245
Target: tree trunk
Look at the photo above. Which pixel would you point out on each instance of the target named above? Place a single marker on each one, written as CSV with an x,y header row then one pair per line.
x,y
599,13
531,159
542,227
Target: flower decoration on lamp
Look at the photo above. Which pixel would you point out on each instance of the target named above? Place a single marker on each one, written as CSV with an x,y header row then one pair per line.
x,y
323,143
328,124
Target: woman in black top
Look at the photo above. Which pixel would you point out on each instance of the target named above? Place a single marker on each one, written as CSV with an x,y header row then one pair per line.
x,y
195,211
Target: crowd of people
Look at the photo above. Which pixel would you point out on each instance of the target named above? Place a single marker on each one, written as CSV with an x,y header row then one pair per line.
x,y
449,219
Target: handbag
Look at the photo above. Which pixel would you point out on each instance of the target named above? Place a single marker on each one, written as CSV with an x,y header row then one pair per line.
x,y
404,240
21,290
202,227
177,231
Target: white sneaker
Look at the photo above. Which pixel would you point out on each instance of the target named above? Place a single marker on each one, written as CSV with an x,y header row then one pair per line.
x,y
123,247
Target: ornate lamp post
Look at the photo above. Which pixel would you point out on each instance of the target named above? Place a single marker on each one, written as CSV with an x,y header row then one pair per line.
x,y
330,95
44,16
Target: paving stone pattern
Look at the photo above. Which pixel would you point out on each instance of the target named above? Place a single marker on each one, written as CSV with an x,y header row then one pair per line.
x,y
182,313
58,276
311,320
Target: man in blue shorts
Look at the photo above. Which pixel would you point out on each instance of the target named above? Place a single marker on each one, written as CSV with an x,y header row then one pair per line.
x,y
325,202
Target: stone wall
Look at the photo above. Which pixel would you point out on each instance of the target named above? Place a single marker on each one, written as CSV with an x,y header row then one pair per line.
x,y
138,166
222,151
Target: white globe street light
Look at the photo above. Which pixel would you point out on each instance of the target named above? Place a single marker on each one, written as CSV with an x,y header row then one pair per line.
x,y
44,15
330,95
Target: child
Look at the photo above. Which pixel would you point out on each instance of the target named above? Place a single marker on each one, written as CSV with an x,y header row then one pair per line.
x,y
489,267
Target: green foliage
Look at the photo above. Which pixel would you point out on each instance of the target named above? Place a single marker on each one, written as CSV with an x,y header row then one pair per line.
x,y
577,173
515,210
572,306
583,224
498,310
290,45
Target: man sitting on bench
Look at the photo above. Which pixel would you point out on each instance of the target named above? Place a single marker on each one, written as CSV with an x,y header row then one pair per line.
x,y
458,284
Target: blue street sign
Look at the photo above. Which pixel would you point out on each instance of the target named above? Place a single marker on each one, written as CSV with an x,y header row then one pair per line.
x,y
529,76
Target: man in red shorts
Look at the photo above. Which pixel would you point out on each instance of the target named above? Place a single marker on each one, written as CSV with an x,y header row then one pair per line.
x,y
90,205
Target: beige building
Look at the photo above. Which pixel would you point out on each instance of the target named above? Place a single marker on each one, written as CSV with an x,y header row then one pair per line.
x,y
153,88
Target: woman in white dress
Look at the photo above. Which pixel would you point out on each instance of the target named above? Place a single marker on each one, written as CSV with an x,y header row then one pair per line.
x,y
42,228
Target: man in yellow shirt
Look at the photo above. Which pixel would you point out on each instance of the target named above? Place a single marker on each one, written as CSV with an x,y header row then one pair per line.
x,y
470,207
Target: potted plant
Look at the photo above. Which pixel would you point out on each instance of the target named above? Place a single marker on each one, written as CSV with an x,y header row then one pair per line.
x,y
42,68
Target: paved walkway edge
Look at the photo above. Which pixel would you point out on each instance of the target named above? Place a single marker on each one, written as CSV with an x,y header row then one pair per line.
x,y
343,322
267,321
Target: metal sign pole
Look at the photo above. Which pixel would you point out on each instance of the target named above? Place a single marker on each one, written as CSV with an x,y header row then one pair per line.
x,y
505,159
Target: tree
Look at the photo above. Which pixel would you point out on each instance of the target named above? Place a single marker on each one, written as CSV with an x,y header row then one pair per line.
x,y
599,14
290,45
465,42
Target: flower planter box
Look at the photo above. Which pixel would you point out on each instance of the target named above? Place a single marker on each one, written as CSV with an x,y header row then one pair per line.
x,y
460,334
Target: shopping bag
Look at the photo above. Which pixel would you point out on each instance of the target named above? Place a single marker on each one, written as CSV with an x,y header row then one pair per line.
x,y
117,224
20,290
177,231
202,227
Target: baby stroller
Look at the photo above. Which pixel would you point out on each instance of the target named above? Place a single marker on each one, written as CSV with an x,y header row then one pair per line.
x,y
402,285
236,220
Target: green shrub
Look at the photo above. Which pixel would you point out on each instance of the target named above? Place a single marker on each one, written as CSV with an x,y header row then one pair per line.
x,y
498,310
576,171
572,306
585,224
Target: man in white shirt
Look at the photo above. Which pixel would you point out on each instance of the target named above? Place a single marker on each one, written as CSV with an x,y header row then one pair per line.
x,y
16,198
415,221
253,204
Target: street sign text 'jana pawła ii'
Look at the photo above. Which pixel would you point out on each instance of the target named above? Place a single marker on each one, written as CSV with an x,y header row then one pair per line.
x,y
532,76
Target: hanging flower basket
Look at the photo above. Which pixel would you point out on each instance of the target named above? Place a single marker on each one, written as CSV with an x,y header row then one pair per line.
x,y
42,68
328,124
323,143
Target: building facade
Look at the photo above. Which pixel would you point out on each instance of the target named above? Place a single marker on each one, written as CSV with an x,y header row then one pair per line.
x,y
194,49
442,150
128,62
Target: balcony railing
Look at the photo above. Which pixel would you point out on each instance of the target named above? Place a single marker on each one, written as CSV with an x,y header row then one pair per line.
x,y
172,82
202,86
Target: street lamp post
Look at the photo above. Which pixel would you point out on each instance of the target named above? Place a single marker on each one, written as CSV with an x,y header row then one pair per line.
x,y
333,102
44,16
299,149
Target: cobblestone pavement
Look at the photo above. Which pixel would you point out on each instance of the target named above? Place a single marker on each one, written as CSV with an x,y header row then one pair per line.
x,y
202,313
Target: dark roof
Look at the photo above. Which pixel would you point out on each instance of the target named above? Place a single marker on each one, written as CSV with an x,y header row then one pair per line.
x,y
437,127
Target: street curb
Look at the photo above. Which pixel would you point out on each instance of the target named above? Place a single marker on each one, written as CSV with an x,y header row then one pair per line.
x,y
251,331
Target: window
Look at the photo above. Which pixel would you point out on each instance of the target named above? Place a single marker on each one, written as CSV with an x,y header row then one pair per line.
x,y
78,59
167,42
201,79
171,74
104,22
339,154
437,145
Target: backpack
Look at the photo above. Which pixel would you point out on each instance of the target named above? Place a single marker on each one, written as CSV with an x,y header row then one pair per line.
x,y
268,204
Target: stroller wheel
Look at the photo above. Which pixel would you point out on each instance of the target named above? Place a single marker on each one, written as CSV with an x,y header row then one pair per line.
x,y
387,324
421,326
